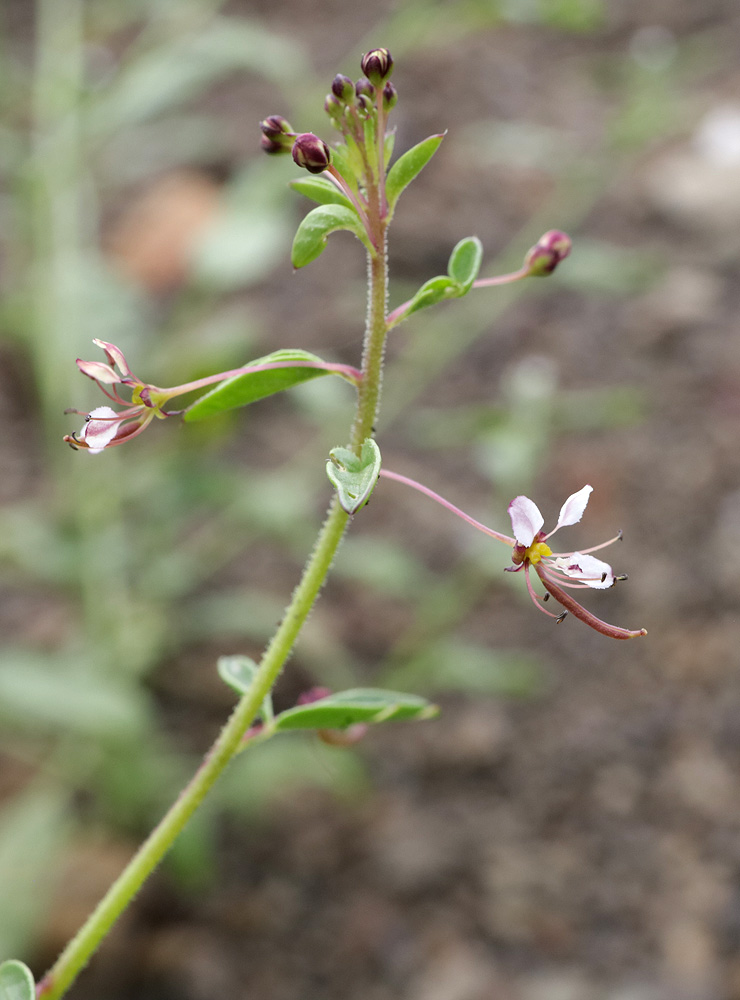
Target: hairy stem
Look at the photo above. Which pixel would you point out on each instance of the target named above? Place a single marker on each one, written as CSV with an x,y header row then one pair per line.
x,y
78,952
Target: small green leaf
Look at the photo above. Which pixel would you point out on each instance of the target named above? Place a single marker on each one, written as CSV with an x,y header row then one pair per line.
x,y
354,477
321,189
370,705
313,232
239,672
248,388
408,166
465,261
433,291
16,981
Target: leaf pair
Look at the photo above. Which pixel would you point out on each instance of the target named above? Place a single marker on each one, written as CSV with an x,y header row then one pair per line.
x,y
336,210
462,270
335,711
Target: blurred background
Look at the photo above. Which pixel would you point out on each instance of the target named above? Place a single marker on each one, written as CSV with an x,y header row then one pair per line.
x,y
569,828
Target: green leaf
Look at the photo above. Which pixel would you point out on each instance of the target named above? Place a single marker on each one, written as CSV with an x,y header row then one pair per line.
x,y
248,388
370,705
322,190
463,267
433,291
347,162
408,166
354,477
239,672
16,981
313,232
465,261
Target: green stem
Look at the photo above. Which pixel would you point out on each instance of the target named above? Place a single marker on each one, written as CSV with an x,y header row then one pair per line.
x,y
78,952
85,943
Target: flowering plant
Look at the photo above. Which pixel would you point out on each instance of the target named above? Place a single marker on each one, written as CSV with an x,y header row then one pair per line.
x,y
357,186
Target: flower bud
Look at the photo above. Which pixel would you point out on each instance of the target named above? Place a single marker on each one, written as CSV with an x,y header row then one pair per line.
x,y
390,96
343,88
274,126
377,65
311,153
334,108
547,253
272,146
277,135
363,88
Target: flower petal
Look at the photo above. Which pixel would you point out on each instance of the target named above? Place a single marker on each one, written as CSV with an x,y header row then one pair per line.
x,y
586,569
100,429
572,510
526,519
98,371
115,356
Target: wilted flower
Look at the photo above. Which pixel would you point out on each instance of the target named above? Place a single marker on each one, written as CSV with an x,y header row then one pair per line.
x,y
105,426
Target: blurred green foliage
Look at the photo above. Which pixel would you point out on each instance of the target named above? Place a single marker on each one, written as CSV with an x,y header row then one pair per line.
x,y
105,97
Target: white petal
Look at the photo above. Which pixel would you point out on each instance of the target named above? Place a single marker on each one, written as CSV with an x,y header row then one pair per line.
x,y
100,429
572,510
586,569
526,519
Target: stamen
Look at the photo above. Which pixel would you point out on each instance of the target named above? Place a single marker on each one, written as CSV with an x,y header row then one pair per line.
x,y
594,548
578,611
536,599
561,618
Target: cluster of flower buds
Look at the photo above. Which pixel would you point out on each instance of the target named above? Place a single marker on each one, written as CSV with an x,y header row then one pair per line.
x,y
349,106
349,103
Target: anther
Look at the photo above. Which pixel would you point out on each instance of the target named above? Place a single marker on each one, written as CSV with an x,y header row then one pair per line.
x,y
545,597
622,577
561,618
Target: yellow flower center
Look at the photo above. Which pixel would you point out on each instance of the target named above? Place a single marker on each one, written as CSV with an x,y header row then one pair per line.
x,y
537,552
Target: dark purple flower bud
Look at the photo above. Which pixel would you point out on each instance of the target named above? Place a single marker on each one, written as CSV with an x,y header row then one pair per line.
x,y
274,126
547,253
363,88
390,96
273,147
311,153
343,88
377,65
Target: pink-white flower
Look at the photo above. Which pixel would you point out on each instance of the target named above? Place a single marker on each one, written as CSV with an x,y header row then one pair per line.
x,y
104,426
558,570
